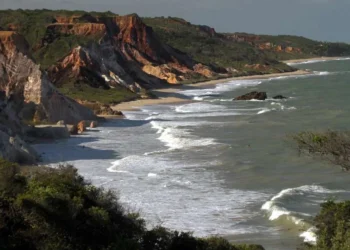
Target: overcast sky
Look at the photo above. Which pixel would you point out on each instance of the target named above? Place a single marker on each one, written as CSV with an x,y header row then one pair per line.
x,y
326,20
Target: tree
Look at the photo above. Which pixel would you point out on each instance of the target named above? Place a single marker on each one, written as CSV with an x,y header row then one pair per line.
x,y
332,146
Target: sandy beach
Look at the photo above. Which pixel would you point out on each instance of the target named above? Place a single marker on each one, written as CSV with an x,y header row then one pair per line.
x,y
170,95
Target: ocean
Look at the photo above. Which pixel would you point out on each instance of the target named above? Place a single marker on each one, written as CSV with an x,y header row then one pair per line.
x,y
216,166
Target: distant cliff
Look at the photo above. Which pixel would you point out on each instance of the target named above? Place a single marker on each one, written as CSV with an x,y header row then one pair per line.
x,y
240,51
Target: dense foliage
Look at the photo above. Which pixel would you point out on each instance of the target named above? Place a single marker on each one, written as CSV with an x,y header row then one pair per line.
x,y
333,225
208,46
211,48
309,48
333,221
331,145
56,209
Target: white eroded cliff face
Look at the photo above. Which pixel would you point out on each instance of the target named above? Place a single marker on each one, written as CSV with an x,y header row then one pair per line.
x,y
22,78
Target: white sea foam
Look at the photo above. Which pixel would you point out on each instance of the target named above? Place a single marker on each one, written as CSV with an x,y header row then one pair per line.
x,y
175,137
323,73
307,62
197,110
263,111
200,107
222,100
276,206
200,94
318,61
309,236
152,175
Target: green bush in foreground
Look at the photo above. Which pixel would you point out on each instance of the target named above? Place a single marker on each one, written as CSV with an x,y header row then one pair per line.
x,y
56,209
333,221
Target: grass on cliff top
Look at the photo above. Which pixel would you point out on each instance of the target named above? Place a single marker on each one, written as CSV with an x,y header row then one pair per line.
x,y
32,25
204,47
86,93
53,52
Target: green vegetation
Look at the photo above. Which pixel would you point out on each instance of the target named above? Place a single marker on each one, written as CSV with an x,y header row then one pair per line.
x,y
226,51
50,54
333,221
333,225
32,23
205,47
56,209
49,46
332,146
309,48
87,93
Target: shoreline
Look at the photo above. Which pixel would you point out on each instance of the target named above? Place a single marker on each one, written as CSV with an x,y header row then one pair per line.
x,y
166,96
306,60
170,95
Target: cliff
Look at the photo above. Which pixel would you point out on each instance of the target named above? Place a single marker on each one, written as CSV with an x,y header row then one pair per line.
x,y
232,52
104,58
12,147
240,51
126,53
22,79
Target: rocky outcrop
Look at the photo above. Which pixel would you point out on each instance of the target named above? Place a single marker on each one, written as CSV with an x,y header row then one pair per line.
x,y
22,79
164,72
12,147
254,95
126,53
279,97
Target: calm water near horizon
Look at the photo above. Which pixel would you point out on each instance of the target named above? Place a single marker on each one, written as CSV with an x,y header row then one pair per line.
x,y
223,167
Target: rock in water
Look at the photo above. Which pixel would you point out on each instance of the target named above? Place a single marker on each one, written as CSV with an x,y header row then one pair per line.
x,y
253,95
72,129
61,123
93,124
279,97
81,127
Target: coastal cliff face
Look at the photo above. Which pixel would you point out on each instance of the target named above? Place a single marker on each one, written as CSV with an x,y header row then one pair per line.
x,y
12,147
104,58
126,53
21,79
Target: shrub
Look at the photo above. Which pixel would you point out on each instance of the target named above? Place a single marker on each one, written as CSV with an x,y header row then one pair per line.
x,y
332,146
56,209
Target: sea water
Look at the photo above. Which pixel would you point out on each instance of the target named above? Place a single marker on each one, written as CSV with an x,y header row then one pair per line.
x,y
217,166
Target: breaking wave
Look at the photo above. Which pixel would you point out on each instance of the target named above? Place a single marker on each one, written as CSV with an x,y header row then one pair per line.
x,y
175,137
277,207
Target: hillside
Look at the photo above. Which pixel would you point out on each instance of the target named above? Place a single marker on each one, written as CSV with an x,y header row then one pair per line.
x,y
102,56
106,58
239,50
109,58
